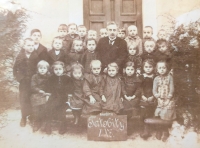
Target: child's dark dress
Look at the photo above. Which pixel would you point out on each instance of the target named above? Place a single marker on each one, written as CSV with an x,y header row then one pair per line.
x,y
92,86
77,100
59,87
147,108
130,87
24,68
38,100
112,91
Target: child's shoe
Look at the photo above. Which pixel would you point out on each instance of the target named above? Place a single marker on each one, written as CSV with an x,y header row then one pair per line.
x,y
145,135
23,122
62,129
165,136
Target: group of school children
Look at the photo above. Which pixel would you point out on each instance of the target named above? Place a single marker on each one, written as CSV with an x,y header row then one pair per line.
x,y
71,76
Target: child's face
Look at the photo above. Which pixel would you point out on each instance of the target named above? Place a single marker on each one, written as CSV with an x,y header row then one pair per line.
x,y
78,46
36,37
96,69
121,35
162,35
57,44
147,33
129,70
92,35
77,73
132,50
161,68
82,32
112,71
162,48
132,31
148,68
29,46
42,70
149,46
72,29
91,46
58,70
62,33
103,33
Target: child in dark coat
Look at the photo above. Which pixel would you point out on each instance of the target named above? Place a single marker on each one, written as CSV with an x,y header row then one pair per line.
x,y
24,68
39,95
56,54
59,86
36,36
89,55
77,101
92,89
130,90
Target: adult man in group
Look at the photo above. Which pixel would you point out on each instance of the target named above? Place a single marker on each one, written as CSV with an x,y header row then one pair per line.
x,y
112,48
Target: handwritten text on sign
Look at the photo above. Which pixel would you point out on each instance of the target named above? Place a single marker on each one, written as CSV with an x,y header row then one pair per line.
x,y
107,128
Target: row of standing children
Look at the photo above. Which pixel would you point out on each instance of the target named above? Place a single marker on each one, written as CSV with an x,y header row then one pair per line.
x,y
97,96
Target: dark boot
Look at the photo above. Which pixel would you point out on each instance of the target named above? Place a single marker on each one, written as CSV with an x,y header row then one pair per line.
x,y
48,128
63,128
165,134
23,122
145,135
77,115
159,133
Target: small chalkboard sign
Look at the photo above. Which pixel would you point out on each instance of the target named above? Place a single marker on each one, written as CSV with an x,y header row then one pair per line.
x,y
107,127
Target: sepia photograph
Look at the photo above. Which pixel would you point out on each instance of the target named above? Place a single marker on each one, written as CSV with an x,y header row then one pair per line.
x,y
99,73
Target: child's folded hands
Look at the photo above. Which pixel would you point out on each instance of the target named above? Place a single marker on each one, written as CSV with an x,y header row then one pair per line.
x,y
103,98
92,99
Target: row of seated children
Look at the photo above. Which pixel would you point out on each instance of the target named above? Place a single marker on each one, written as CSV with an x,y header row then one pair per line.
x,y
91,92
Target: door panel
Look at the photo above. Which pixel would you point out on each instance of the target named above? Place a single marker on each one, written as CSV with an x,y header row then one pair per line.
x,y
124,12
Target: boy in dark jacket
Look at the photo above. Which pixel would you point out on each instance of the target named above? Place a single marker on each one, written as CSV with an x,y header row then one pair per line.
x,y
24,68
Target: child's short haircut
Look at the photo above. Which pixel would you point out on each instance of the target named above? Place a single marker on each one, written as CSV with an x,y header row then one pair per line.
x,y
75,41
57,38
95,62
160,31
132,26
43,63
62,27
113,65
58,63
28,39
122,29
76,65
71,25
35,30
102,29
91,39
82,26
130,63
150,28
92,31
149,41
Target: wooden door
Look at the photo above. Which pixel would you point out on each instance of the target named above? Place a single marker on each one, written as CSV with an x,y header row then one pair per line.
x,y
124,12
